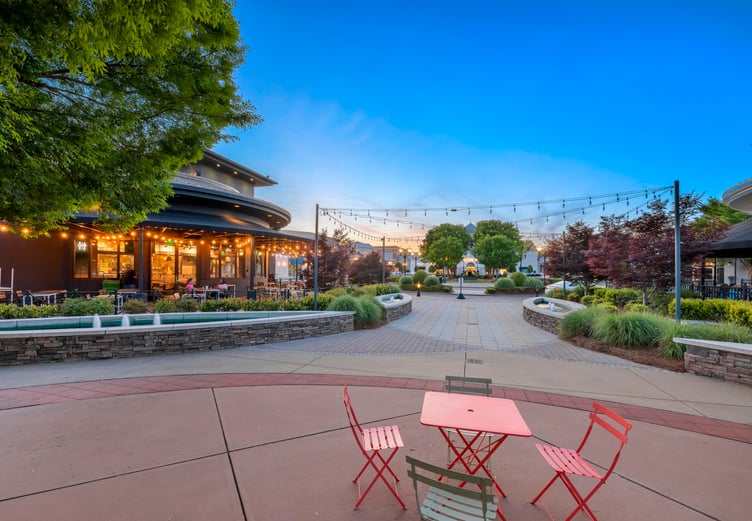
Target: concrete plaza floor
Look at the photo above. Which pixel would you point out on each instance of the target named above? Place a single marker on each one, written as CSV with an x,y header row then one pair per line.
x,y
260,433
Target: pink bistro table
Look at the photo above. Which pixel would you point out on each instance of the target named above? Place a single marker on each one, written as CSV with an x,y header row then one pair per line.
x,y
472,418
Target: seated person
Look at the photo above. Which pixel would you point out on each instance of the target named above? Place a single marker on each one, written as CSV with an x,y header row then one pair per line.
x,y
222,287
189,286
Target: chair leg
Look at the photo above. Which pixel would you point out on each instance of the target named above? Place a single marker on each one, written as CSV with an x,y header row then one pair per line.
x,y
379,475
540,494
581,502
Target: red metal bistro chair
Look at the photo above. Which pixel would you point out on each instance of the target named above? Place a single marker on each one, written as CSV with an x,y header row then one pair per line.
x,y
372,442
568,462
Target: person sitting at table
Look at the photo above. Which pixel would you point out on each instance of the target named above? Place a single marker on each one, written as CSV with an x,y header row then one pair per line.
x,y
189,287
222,287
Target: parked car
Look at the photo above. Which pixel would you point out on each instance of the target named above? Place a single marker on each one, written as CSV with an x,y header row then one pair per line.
x,y
560,286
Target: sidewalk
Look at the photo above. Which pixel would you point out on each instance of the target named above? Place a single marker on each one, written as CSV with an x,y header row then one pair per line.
x,y
260,433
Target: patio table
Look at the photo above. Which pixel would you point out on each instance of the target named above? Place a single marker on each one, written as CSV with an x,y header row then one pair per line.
x,y
470,418
49,295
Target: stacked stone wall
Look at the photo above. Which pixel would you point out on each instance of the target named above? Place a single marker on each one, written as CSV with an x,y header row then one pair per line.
x,y
719,363
145,341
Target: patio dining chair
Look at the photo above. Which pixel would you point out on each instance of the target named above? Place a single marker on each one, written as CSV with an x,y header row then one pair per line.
x,y
372,442
446,500
570,462
469,385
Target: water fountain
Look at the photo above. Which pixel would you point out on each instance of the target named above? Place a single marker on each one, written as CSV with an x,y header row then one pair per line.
x,y
126,321
96,322
157,320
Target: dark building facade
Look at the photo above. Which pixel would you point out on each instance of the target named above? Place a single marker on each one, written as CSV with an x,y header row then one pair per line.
x,y
214,228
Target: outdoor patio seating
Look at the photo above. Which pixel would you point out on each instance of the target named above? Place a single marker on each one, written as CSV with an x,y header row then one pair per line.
x,y
372,442
446,501
568,462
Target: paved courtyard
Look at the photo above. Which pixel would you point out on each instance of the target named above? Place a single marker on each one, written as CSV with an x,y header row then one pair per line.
x,y
260,433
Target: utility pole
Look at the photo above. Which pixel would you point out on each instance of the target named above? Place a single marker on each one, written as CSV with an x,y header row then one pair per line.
x,y
316,264
677,252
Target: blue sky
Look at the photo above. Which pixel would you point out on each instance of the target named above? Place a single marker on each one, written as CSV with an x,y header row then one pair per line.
x,y
419,105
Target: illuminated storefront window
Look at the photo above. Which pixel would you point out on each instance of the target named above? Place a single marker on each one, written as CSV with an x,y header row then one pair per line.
x,y
223,261
102,258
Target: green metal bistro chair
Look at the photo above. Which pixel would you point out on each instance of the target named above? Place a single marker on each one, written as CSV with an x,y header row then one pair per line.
x,y
446,501
469,385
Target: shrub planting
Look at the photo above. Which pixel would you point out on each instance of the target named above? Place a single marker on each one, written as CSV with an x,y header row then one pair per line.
x,y
518,278
406,280
134,306
420,276
349,303
164,306
503,284
373,310
79,307
629,329
432,281
580,322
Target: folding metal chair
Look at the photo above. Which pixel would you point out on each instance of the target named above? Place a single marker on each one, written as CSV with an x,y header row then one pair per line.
x,y
448,502
372,442
469,385
568,462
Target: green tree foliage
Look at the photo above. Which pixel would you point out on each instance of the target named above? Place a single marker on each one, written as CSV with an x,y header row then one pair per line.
x,y
715,213
445,244
102,102
497,251
497,245
366,270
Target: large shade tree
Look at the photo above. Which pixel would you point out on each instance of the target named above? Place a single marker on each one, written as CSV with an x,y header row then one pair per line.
x,y
445,245
497,245
102,102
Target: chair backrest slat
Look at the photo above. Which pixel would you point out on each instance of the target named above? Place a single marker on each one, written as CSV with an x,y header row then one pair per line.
x,y
448,501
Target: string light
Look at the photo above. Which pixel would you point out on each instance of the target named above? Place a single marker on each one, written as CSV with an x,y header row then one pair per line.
x,y
588,202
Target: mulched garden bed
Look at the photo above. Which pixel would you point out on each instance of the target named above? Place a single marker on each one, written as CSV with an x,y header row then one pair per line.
x,y
640,355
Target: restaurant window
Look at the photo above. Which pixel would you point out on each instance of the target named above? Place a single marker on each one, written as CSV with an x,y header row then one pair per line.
x,y
259,262
223,261
187,263
114,258
163,264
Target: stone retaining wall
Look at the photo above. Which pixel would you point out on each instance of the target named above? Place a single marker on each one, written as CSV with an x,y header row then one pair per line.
x,y
543,318
725,360
27,348
398,308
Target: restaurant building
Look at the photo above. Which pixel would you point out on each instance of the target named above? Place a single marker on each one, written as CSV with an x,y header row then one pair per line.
x,y
214,228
